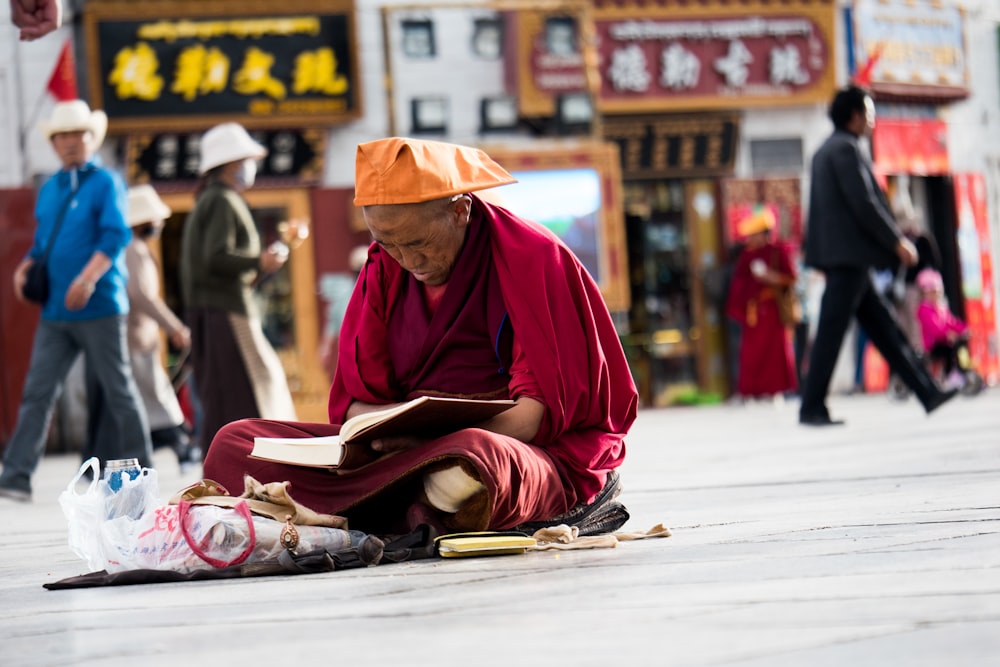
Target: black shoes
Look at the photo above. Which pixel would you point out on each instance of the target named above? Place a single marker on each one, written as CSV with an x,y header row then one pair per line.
x,y
604,515
819,420
939,399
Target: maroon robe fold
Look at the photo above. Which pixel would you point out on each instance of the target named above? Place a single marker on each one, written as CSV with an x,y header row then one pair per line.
x,y
513,281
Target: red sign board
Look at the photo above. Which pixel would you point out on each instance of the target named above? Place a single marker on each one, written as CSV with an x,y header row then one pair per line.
x,y
714,54
911,146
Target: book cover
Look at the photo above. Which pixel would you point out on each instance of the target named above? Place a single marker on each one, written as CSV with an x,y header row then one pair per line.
x,y
487,543
427,416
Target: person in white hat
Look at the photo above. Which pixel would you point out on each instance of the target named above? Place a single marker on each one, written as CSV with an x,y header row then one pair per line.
x,y
236,371
79,244
147,316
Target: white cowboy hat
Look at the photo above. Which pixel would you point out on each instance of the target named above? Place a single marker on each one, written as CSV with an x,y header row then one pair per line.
x,y
75,116
227,143
144,205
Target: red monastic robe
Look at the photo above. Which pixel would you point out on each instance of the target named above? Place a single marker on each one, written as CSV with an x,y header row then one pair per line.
x,y
520,316
767,360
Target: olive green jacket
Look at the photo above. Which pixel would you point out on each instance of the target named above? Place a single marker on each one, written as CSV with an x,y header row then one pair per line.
x,y
220,253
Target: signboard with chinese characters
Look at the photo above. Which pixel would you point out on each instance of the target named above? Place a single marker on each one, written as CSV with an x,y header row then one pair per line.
x,y
915,48
714,54
675,146
590,222
171,157
186,65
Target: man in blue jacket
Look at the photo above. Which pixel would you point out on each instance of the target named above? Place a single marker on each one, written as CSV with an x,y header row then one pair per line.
x,y
87,302
851,230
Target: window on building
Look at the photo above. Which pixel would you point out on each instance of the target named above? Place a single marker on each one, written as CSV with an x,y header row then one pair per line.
x,y
574,111
560,36
487,38
418,38
429,115
498,114
770,156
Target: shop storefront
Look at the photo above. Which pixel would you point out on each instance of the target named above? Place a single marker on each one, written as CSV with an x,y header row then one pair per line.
x,y
167,71
913,57
677,81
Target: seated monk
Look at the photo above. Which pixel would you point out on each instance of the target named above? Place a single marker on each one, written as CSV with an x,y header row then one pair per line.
x,y
462,298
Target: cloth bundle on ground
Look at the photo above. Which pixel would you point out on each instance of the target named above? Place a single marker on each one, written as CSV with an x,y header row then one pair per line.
x,y
206,533
271,500
202,528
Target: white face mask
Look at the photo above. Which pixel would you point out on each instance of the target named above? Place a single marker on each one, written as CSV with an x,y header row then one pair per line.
x,y
247,174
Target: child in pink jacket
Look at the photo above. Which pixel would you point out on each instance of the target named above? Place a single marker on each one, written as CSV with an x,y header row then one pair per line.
x,y
943,333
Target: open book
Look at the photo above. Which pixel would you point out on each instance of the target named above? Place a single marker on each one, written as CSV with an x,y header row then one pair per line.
x,y
427,416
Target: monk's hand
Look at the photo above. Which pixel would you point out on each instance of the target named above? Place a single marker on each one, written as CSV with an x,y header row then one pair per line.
x,y
396,443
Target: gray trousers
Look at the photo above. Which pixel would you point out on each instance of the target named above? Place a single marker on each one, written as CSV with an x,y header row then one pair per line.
x,y
56,347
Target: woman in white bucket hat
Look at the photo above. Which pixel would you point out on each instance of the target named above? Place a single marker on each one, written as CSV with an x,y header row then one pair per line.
x,y
79,240
147,316
236,371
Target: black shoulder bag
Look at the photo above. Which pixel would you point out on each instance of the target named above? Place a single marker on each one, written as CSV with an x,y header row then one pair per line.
x,y
36,281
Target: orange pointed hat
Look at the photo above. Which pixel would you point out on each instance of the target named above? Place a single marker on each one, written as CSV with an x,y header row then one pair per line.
x,y
762,220
400,170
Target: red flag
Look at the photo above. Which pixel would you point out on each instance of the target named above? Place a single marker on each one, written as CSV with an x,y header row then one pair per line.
x,y
863,77
62,83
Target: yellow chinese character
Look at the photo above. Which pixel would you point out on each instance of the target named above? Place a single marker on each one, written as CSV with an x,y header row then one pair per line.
x,y
200,71
255,75
316,71
216,73
134,73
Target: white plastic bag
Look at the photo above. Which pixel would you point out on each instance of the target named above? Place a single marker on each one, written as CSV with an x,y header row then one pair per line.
x,y
186,538
85,513
132,530
171,537
89,511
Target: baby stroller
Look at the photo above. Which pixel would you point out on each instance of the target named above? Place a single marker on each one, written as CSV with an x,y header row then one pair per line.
x,y
945,340
965,377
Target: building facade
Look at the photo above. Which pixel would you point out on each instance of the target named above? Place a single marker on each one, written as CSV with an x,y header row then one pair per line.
x,y
641,131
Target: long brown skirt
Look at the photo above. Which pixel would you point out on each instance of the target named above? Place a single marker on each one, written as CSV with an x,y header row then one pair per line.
x,y
237,374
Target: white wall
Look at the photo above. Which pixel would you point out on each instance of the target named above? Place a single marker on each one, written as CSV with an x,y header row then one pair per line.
x,y
25,68
468,77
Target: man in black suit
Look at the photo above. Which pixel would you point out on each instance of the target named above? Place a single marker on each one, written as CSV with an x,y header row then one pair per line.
x,y
851,230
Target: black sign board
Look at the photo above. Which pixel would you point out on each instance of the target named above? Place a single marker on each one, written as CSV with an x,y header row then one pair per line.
x,y
173,157
676,145
188,65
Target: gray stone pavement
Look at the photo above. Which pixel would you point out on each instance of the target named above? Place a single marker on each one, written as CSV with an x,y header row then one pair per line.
x,y
876,543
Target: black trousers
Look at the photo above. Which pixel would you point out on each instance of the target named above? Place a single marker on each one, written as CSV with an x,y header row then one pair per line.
x,y
849,292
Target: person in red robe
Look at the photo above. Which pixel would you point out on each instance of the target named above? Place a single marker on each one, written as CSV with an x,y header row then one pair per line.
x,y
767,358
459,297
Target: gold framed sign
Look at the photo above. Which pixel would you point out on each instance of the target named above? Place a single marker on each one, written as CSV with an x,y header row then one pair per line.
x,y
186,65
575,191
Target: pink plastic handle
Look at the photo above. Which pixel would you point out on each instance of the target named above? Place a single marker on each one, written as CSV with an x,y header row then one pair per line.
x,y
183,509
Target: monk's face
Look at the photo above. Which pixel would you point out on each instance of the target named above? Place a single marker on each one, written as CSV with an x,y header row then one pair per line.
x,y
425,239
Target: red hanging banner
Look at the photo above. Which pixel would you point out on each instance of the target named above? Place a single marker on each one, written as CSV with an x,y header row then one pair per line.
x,y
973,237
911,146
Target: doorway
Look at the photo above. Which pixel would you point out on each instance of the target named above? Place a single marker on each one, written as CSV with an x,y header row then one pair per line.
x,y
287,299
